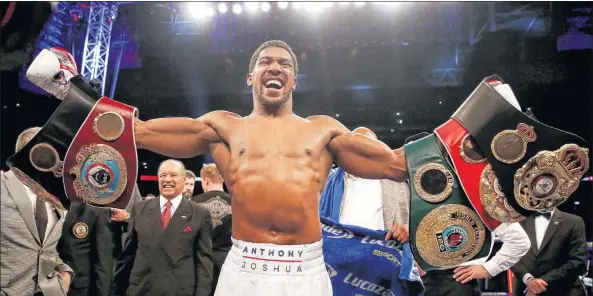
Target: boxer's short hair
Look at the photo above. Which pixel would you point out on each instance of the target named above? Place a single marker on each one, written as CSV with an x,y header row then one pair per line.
x,y
273,43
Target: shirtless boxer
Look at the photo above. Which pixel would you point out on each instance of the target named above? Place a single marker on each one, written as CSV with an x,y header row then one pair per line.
x,y
275,164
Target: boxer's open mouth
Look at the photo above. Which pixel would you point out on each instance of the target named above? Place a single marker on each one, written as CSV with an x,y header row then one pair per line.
x,y
273,83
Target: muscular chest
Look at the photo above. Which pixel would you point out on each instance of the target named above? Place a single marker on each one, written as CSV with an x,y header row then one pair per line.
x,y
280,143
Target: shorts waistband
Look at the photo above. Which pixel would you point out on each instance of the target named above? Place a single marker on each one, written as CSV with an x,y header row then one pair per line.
x,y
272,259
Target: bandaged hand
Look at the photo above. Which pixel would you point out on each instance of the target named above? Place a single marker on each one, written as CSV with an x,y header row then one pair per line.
x,y
398,232
52,70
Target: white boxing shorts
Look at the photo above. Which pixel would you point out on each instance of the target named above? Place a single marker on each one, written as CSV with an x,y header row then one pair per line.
x,y
252,269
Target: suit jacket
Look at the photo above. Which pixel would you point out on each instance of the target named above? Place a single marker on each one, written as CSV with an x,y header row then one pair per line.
x,y
90,253
176,261
396,202
561,257
119,230
25,260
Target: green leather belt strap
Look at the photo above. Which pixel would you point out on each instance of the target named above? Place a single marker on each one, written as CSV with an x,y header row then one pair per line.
x,y
445,231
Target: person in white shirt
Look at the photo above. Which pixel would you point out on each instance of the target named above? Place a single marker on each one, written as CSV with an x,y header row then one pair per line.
x,y
462,280
375,204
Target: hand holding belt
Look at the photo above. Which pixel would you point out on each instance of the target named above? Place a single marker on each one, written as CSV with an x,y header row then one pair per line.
x,y
444,229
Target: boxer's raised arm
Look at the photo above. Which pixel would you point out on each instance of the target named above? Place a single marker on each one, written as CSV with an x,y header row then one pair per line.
x,y
177,137
362,156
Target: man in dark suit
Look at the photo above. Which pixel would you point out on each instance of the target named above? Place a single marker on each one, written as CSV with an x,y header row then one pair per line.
x,y
556,258
169,249
86,245
218,203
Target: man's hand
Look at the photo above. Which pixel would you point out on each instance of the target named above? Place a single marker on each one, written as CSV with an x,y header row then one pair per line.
x,y
420,270
536,286
119,215
464,274
398,232
67,277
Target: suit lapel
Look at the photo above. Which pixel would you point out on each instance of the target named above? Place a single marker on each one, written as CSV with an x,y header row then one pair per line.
x,y
180,217
57,228
555,221
154,216
529,226
23,203
72,215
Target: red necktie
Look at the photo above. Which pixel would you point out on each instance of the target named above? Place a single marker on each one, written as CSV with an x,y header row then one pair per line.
x,y
166,214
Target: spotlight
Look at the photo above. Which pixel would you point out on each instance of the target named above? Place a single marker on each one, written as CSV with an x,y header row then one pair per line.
x,y
222,8
252,6
198,9
282,5
265,6
237,8
359,4
392,130
400,121
440,102
209,11
337,115
317,6
296,5
397,113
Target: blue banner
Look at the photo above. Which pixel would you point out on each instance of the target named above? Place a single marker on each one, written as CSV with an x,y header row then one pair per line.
x,y
360,262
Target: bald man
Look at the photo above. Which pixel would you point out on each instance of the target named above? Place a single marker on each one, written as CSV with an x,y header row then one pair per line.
x,y
372,204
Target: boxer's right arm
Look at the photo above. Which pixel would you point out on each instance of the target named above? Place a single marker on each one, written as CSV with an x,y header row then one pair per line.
x,y
179,137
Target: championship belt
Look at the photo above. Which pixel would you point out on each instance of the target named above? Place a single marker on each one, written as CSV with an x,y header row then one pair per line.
x,y
445,231
89,143
538,167
475,176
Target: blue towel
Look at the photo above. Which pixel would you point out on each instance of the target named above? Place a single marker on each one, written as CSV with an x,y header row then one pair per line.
x,y
360,262
331,198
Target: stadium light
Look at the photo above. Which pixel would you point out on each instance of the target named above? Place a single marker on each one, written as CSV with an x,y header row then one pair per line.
x,y
265,6
252,6
237,9
222,8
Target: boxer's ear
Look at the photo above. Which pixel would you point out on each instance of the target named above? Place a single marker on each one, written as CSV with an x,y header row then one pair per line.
x,y
294,83
249,79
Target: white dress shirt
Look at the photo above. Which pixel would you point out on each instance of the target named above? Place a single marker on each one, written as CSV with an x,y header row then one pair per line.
x,y
515,244
174,203
52,218
362,203
541,226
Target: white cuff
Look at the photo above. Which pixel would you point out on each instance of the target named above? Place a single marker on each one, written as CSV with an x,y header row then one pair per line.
x,y
493,268
527,277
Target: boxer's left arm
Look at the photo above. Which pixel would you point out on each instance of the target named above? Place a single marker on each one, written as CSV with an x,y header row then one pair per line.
x,y
362,156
